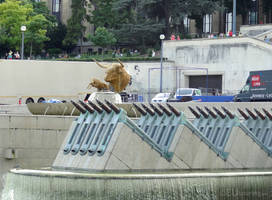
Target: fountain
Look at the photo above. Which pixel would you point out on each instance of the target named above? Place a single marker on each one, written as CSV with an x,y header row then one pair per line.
x,y
162,155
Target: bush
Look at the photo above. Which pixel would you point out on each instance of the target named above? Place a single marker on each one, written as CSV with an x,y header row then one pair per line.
x,y
149,52
54,52
110,59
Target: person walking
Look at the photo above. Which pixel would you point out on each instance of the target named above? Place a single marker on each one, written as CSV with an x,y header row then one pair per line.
x,y
230,33
10,55
17,55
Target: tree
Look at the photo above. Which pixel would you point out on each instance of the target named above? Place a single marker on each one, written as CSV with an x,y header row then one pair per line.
x,y
102,38
56,31
103,15
14,14
134,28
56,34
158,16
36,34
172,12
75,27
267,5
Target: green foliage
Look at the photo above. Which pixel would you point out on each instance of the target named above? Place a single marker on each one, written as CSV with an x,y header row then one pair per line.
x,y
75,27
102,37
145,20
56,34
36,34
110,59
103,15
54,52
14,14
267,5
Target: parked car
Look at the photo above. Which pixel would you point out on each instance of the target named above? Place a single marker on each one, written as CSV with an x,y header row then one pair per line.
x,y
187,92
184,94
160,97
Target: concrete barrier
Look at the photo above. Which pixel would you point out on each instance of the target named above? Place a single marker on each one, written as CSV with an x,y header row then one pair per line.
x,y
28,141
164,138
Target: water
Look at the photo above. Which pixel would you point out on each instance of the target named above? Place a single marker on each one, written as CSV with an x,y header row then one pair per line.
x,y
187,185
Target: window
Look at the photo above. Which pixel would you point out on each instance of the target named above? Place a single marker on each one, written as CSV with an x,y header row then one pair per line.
x,y
228,22
207,23
56,6
252,17
186,23
245,89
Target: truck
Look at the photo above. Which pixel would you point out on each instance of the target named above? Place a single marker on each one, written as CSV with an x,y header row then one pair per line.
x,y
258,87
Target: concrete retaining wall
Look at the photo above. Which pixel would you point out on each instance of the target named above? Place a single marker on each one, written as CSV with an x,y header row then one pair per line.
x,y
30,141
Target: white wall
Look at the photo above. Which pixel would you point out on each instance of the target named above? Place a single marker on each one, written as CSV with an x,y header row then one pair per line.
x,y
233,58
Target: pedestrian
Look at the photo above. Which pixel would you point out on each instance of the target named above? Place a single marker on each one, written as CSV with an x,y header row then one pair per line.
x,y
10,55
230,33
17,55
266,39
153,53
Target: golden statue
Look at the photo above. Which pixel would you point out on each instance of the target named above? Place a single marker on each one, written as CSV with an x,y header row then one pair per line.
x,y
116,75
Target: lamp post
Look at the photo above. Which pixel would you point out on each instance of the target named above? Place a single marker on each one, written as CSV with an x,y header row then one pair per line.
x,y
234,18
23,29
162,37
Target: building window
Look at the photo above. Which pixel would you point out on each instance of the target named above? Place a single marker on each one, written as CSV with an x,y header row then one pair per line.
x,y
186,23
207,23
252,17
56,6
228,26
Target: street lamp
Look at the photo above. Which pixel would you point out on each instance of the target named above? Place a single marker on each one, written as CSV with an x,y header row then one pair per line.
x,y
162,37
23,29
234,18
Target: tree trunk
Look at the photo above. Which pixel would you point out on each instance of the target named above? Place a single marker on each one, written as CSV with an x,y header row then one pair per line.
x,y
167,17
30,54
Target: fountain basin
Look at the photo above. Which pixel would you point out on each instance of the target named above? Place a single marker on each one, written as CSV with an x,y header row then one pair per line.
x,y
170,184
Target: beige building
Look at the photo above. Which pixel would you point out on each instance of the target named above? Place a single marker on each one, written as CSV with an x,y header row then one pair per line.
x,y
62,10
219,22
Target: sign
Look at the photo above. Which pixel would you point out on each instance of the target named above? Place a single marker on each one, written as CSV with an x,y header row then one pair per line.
x,y
255,81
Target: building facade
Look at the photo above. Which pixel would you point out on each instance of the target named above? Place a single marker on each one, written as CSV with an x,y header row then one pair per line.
x,y
220,22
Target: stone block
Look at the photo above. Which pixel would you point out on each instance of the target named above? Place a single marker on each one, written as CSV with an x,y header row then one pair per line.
x,y
114,163
51,122
30,163
23,122
49,139
60,137
20,138
29,153
246,151
4,138
4,121
176,139
135,153
179,163
195,153
187,147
